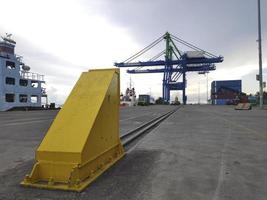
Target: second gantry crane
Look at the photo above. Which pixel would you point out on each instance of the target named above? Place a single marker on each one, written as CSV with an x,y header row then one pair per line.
x,y
175,65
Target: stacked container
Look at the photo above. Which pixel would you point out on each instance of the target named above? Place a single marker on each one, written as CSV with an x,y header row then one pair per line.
x,y
225,92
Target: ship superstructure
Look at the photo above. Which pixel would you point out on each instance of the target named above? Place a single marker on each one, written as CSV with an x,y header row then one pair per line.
x,y
18,86
129,99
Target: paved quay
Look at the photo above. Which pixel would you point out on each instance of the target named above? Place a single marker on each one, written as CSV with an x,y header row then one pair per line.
x,y
21,132
199,152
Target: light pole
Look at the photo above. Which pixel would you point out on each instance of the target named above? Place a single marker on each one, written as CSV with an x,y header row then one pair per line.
x,y
260,54
207,73
207,76
199,92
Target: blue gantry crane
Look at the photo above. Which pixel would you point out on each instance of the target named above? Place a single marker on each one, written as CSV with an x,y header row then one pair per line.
x,y
175,65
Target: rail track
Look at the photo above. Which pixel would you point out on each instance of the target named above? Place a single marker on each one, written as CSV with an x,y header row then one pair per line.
x,y
133,135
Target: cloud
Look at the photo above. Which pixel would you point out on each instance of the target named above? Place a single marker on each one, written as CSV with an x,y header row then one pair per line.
x,y
60,39
225,28
211,24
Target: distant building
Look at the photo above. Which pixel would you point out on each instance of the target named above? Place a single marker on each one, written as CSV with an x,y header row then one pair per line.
x,y
227,92
18,86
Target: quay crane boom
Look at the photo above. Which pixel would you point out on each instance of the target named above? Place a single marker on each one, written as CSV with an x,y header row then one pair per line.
x,y
175,65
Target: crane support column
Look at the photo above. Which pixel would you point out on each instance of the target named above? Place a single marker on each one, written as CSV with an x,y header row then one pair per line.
x,y
167,75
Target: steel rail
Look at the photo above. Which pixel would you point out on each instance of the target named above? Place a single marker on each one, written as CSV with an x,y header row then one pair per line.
x,y
132,135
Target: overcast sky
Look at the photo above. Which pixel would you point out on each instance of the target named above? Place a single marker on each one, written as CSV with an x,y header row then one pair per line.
x,y
62,38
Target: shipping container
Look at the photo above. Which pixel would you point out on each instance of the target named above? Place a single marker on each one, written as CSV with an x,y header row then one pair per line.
x,y
195,54
232,84
222,101
253,100
144,100
227,92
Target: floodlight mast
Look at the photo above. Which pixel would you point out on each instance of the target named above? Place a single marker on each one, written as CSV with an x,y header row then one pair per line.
x,y
260,55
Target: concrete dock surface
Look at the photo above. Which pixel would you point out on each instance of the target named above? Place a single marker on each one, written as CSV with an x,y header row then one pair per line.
x,y
21,132
199,152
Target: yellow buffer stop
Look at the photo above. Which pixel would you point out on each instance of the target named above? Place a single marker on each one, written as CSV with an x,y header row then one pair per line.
x,y
83,141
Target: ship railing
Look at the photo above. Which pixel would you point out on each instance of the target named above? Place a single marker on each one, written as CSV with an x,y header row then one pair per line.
x,y
31,76
43,91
